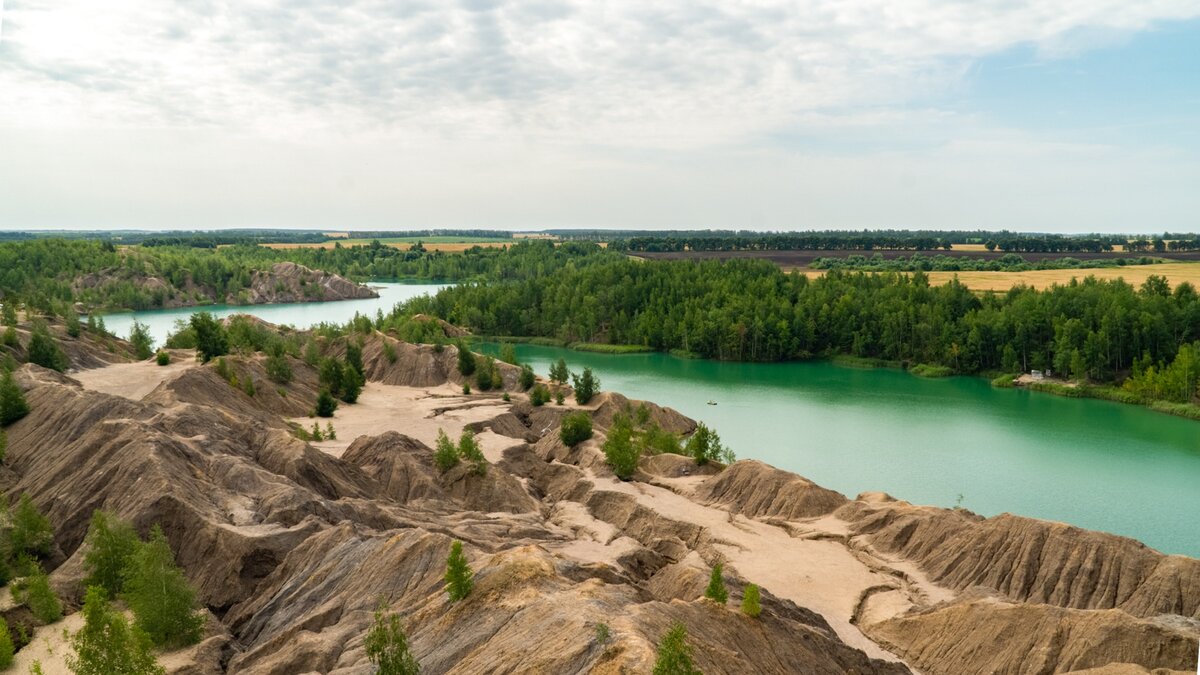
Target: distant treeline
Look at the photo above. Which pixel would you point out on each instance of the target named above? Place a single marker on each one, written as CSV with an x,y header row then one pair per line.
x,y
215,238
864,241
1010,262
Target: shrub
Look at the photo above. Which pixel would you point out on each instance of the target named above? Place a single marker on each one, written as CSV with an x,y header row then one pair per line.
x,y
576,428
674,653
316,434
43,349
352,384
12,400
40,598
466,360
162,358
656,440
73,326
602,633
389,352
468,449
586,386
750,601
6,645
527,378
140,340
619,451
485,373
248,386
326,404
716,586
559,372
330,434
31,533
106,643
558,397
459,577
508,353
539,396
387,645
466,388
163,603
211,339
705,446
277,366
354,358
506,398
446,454
111,543
10,337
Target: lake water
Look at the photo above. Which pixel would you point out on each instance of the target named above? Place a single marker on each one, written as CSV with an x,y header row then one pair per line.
x,y
1095,464
299,315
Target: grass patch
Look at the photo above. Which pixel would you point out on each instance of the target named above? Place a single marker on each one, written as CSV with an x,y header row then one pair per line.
x,y
863,362
603,348
930,370
1118,395
1004,381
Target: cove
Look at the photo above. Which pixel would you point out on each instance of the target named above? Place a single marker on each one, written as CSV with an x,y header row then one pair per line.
x,y
161,322
1095,464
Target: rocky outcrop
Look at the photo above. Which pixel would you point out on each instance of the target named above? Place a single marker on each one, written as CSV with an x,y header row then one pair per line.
x,y
755,489
609,403
990,636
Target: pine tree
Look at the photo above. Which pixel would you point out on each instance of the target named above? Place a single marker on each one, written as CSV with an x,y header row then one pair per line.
x,y
750,601
12,400
354,358
352,384
326,404
387,645
163,603
468,449
586,386
107,644
716,586
459,577
559,372
674,653
446,454
526,379
111,543
44,350
466,360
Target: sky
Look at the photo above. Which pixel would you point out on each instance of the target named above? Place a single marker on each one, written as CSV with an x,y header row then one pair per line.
x,y
1065,116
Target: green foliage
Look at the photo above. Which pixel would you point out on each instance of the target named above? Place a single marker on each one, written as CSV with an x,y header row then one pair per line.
x,y
508,353
277,366
603,633
576,428
3,445
539,396
9,312
72,322
211,339
31,533
750,601
674,653
389,352
43,349
655,440
162,600
527,377
459,577
469,450
162,358
486,374
140,340
466,360
248,386
330,433
12,400
6,645
316,434
619,450
927,370
354,358
387,645
586,386
716,590
1175,381
36,593
326,404
445,454
352,384
312,352
705,446
10,339
111,544
107,644
559,372
466,388
183,337
558,397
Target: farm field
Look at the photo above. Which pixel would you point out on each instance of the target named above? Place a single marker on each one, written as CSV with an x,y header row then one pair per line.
x,y
448,244
1175,272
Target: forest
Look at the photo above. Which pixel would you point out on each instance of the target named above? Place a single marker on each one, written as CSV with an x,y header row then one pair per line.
x,y
833,240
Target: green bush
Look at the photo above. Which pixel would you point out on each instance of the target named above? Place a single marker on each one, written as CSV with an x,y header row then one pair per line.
x,y
445,454
6,645
107,644
716,586
162,358
576,428
162,600
468,449
111,544
674,654
705,445
12,400
326,404
459,577
750,601
928,370
140,340
586,386
211,339
387,645
40,598
43,349
466,360
31,533
527,378
619,450
539,396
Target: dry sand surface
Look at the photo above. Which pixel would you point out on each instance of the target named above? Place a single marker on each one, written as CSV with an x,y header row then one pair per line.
x,y
134,380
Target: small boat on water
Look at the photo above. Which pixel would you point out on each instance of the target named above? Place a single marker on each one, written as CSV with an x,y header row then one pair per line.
x,y
712,402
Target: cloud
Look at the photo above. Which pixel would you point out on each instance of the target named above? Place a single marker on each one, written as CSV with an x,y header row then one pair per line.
x,y
671,74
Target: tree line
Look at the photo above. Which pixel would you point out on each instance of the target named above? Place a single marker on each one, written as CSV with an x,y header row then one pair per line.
x,y
833,240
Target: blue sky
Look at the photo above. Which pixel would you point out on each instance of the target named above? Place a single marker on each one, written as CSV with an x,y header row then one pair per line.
x,y
1073,117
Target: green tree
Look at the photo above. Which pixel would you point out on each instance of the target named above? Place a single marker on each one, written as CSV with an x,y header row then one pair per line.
x,y
705,445
72,321
508,353
586,386
10,312
387,645
466,360
39,597
527,378
140,340
354,358
559,372
326,404
44,350
674,653
111,544
352,384
485,373
750,601
107,644
162,600
6,645
716,586
445,454
576,428
619,450
277,366
539,396
468,449
31,532
459,577
12,400
211,338
330,375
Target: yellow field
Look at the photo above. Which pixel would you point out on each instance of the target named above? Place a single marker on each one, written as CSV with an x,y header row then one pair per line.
x,y
1175,272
